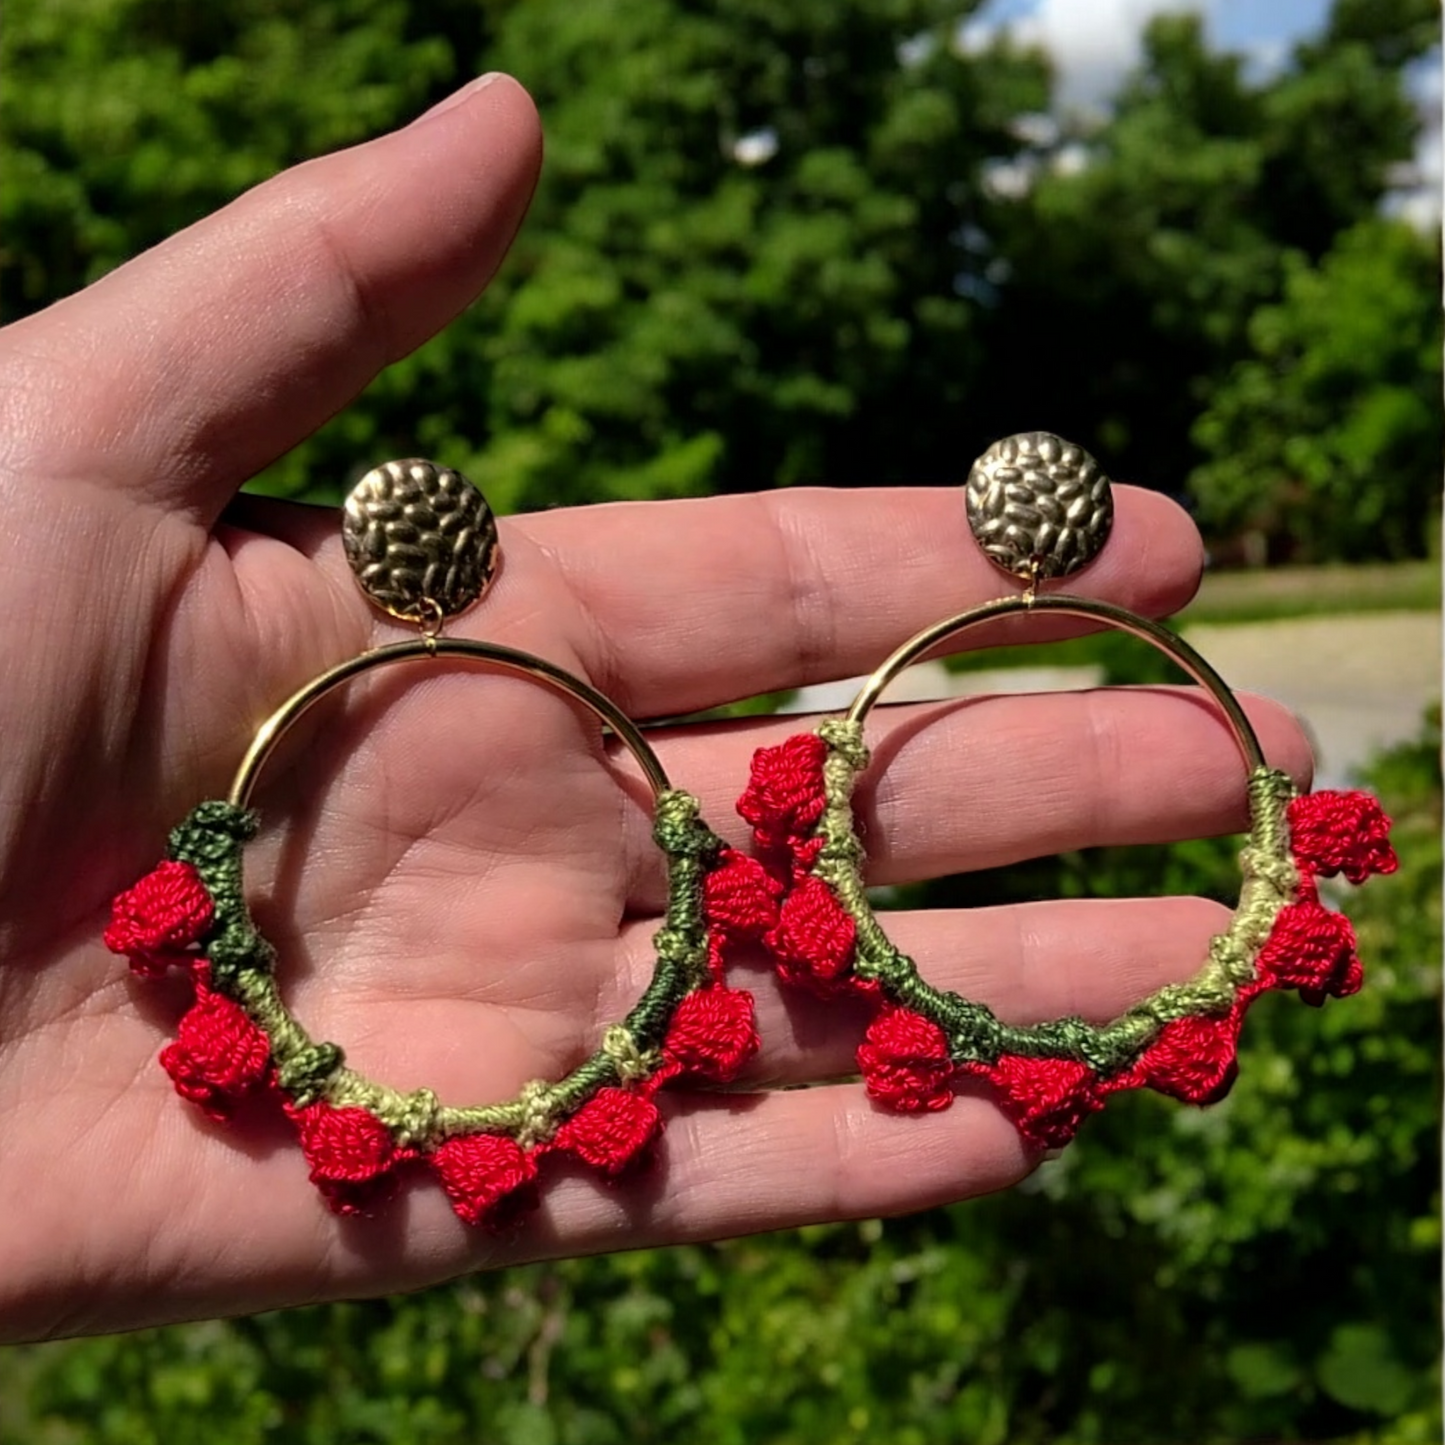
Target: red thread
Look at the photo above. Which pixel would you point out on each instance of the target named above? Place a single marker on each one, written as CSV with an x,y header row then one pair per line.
x,y
784,797
1192,1059
351,1154
814,940
218,1053
740,896
610,1130
1046,1098
905,1062
713,1033
1347,833
157,920
1311,948
487,1177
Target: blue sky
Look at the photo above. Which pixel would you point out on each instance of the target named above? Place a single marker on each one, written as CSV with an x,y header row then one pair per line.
x,y
1235,23
1094,42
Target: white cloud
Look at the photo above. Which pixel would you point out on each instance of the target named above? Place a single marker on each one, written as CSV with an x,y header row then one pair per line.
x,y
1070,159
1417,192
1094,43
1036,129
756,148
1010,180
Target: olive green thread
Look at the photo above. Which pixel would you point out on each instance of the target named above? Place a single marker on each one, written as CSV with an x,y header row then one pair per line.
x,y
629,1061
974,1033
210,840
241,962
537,1113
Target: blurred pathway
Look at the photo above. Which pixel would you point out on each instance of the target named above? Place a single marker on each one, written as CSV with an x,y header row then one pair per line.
x,y
1360,683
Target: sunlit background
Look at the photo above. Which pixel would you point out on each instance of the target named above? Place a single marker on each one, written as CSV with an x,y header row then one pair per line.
x,y
849,242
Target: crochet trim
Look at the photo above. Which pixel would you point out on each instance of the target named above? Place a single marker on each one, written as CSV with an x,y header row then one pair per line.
x,y
240,1037
1049,1077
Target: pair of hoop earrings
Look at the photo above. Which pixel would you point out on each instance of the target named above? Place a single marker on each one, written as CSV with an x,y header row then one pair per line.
x,y
423,545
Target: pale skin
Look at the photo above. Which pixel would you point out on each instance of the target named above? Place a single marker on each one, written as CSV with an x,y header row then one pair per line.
x,y
457,871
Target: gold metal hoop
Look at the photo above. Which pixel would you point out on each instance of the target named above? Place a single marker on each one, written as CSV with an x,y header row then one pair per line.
x,y
1172,646
504,659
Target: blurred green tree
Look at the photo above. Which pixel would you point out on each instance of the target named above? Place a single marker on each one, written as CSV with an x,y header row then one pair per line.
x,y
741,266
1143,244
1328,439
126,120
821,242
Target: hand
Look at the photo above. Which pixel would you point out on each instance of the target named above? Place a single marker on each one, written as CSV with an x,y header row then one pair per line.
x,y
459,879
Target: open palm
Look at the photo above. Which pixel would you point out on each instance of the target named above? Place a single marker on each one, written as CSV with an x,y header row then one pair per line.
x,y
457,871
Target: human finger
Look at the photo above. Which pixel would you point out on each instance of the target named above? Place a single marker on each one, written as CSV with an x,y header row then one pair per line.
x,y
743,1164
982,782
685,605
674,607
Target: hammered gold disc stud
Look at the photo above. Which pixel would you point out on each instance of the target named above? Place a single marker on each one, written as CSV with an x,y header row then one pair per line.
x,y
421,540
1038,505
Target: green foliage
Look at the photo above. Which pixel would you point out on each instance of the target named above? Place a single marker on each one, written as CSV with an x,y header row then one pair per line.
x,y
1265,1269
1329,437
738,271
772,244
1147,243
126,120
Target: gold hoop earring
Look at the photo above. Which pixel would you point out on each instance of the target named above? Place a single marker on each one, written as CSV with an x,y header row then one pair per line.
x,y
424,546
1040,508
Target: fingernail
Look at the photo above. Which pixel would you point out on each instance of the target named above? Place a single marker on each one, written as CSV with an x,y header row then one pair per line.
x,y
458,97
1050,1155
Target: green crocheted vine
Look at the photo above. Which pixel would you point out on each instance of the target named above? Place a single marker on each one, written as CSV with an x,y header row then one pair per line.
x,y
1181,1040
239,1037
242,969
974,1033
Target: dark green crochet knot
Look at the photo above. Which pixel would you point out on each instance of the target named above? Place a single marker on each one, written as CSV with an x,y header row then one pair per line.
x,y
974,1033
305,1074
236,950
1108,1050
212,833
678,828
679,947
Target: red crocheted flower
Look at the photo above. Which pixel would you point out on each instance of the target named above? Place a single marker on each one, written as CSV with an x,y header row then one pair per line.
x,y
740,896
218,1053
611,1129
486,1176
1341,833
905,1063
1046,1098
713,1033
1192,1058
813,942
1311,948
784,797
351,1153
158,919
